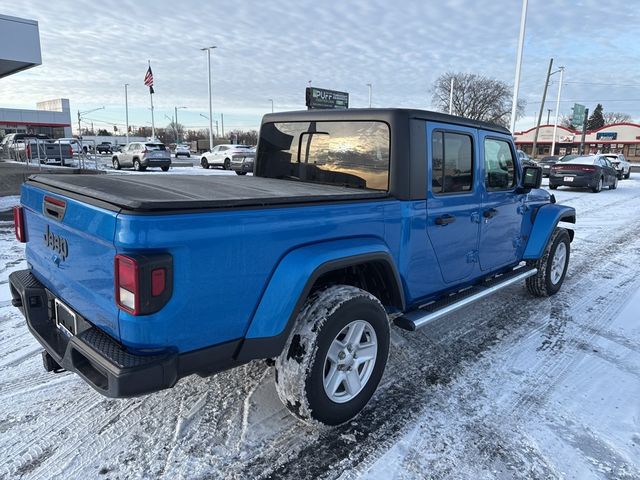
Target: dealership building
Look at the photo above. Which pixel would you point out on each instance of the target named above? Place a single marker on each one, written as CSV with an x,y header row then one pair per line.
x,y
20,50
616,138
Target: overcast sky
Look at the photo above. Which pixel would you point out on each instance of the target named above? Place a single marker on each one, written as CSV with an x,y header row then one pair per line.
x,y
271,49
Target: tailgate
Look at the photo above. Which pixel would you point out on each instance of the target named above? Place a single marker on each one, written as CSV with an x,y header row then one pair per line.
x,y
70,250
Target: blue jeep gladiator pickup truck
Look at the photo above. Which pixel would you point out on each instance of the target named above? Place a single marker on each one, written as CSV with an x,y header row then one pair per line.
x,y
353,220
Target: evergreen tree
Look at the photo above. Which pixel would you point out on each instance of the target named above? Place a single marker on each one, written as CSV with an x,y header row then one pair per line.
x,y
596,120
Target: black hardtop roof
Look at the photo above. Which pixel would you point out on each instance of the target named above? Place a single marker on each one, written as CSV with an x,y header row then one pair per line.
x,y
389,115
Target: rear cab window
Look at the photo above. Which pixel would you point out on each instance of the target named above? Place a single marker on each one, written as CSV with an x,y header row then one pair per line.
x,y
346,153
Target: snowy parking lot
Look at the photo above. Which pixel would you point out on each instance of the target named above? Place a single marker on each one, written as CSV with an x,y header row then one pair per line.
x,y
512,387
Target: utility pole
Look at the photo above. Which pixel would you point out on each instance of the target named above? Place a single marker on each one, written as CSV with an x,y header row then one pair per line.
x,y
451,96
217,131
126,110
534,152
370,88
584,131
548,115
555,124
271,100
516,82
222,122
208,49
79,127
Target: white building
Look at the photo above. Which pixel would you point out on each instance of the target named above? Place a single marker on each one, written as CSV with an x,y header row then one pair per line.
x,y
20,50
616,138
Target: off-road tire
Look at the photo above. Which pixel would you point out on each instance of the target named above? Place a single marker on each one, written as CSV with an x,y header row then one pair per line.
x,y
540,284
299,370
204,163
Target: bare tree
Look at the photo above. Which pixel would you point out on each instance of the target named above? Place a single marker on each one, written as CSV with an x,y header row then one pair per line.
x,y
476,97
616,117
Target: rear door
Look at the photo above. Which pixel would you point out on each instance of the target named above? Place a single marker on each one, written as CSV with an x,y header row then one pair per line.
x,y
453,199
502,208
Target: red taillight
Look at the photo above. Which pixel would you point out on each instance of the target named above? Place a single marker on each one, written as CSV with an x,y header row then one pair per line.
x,y
158,281
127,284
18,222
28,151
70,150
145,151
143,283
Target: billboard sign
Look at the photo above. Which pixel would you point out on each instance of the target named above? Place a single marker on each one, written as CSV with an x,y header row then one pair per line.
x,y
578,115
323,98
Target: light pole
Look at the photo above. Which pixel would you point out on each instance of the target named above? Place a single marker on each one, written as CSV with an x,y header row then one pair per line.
x,y
271,100
555,124
175,130
208,50
126,111
370,87
176,124
516,82
451,95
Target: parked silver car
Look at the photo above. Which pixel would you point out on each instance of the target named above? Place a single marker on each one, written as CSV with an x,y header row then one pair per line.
x,y
141,155
220,155
623,168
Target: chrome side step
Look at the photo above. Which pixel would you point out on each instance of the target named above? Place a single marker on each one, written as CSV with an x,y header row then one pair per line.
x,y
415,319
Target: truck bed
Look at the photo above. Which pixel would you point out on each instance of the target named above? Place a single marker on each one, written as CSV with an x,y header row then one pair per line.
x,y
150,193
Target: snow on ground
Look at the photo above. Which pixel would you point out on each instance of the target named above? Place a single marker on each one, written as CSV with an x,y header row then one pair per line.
x,y
513,387
8,202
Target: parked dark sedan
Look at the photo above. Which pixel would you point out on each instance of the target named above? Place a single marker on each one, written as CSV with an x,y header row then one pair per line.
x,y
547,162
594,172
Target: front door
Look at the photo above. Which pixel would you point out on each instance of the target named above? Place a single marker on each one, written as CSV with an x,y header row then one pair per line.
x,y
453,199
502,208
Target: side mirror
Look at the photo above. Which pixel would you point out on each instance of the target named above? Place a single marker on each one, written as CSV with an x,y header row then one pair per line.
x,y
531,178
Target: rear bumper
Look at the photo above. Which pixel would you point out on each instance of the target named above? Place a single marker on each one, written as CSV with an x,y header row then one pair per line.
x,y
160,162
100,360
241,167
578,182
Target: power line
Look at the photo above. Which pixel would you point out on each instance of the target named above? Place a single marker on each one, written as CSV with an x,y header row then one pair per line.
x,y
604,84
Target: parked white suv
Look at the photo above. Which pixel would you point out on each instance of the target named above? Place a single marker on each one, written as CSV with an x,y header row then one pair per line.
x,y
220,155
623,168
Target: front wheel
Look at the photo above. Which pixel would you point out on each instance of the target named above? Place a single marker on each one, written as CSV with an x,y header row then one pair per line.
x,y
335,356
628,174
241,173
552,267
227,164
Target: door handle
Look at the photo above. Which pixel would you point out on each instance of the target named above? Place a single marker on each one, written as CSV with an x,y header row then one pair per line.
x,y
492,212
445,220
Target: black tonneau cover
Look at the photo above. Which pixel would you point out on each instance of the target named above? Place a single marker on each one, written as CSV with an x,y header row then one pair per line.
x,y
144,192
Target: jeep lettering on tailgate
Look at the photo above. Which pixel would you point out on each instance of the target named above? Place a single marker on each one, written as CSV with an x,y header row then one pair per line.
x,y
56,242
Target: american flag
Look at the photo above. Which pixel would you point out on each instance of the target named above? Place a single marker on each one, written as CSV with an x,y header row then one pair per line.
x,y
148,79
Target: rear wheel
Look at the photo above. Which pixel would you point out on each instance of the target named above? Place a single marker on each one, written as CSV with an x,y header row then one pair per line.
x,y
204,163
614,185
628,174
335,356
241,173
227,164
553,187
165,169
116,164
552,266
598,187
137,166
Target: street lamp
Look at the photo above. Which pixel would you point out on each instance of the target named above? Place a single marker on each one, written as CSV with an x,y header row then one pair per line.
x,y
271,100
126,110
516,82
370,86
176,124
208,50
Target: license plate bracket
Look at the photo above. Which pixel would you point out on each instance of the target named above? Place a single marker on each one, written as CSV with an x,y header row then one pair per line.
x,y
65,318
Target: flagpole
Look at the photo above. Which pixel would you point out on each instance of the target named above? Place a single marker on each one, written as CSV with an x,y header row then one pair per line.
x,y
153,126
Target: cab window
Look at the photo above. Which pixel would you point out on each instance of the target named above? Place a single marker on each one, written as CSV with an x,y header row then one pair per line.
x,y
451,163
499,167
